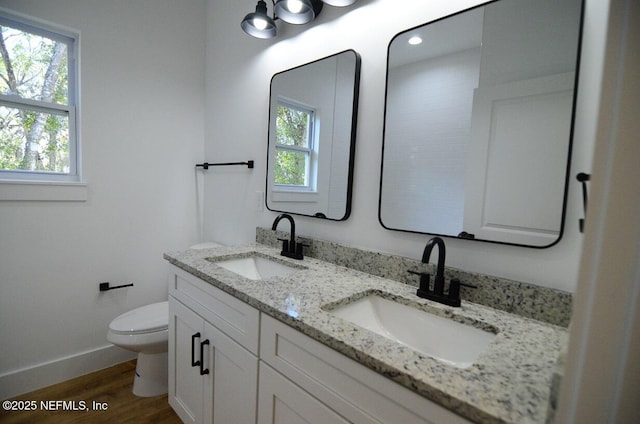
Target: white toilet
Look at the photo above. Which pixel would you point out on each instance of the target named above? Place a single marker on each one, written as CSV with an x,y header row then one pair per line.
x,y
145,330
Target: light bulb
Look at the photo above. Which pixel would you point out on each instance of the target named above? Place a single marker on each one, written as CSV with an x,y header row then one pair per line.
x,y
294,6
259,23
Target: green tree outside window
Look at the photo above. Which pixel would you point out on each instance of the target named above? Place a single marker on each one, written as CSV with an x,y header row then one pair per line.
x,y
33,76
294,128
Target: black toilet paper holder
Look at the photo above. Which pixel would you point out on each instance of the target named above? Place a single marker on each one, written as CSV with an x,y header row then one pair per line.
x,y
106,286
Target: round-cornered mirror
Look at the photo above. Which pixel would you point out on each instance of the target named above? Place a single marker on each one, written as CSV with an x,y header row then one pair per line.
x,y
312,127
478,123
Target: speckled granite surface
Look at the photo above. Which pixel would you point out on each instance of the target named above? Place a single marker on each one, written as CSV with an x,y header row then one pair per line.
x,y
528,300
510,382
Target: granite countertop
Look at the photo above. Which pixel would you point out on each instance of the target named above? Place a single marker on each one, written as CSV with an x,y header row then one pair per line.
x,y
509,383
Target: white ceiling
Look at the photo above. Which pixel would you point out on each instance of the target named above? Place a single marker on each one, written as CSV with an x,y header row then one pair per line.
x,y
448,35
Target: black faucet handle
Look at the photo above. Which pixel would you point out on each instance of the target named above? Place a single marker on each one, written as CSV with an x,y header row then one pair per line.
x,y
425,278
285,244
291,249
454,288
420,273
299,247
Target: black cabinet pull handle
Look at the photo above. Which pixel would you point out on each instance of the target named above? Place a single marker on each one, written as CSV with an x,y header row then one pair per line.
x,y
194,363
202,370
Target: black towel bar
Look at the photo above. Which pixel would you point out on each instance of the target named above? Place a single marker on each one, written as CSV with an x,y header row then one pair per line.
x,y
206,165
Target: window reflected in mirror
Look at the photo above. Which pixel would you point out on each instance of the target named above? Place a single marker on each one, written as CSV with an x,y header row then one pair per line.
x,y
294,156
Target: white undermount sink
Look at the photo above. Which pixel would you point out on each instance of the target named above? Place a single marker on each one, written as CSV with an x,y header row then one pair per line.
x,y
449,341
256,266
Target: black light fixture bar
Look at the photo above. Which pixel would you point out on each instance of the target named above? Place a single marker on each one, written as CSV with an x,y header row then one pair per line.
x,y
206,165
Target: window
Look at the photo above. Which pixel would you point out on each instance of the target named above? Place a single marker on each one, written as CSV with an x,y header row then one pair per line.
x,y
294,148
38,98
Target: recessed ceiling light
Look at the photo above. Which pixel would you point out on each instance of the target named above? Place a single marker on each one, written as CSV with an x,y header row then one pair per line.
x,y
415,40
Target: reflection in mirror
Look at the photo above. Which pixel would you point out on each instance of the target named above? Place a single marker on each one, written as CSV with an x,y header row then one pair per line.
x,y
312,127
478,123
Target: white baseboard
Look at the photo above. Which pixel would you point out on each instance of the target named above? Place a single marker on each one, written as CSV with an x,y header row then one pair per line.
x,y
42,375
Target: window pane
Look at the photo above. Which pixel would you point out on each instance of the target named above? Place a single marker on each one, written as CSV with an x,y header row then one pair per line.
x,y
291,167
292,127
33,140
33,67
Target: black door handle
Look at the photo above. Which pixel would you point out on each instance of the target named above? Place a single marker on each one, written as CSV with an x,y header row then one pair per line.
x,y
194,363
202,370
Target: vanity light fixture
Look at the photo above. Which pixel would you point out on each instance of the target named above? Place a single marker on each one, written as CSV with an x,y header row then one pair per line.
x,y
258,24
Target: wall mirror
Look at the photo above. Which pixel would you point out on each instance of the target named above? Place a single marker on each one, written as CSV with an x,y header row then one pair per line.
x,y
312,127
478,123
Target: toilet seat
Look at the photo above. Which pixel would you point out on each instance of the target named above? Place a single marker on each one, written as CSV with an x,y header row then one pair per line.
x,y
143,320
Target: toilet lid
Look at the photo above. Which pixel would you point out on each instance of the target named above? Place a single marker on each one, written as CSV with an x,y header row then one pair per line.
x,y
145,319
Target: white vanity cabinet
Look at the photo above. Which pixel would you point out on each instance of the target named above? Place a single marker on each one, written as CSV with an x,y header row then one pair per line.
x,y
213,346
229,363
302,380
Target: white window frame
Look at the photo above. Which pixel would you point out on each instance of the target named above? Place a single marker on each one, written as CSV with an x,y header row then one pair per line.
x,y
44,185
310,151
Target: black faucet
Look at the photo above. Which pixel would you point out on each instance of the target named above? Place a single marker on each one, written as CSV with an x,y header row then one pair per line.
x,y
452,298
438,282
290,248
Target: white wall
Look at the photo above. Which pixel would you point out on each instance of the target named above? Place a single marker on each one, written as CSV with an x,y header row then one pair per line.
x,y
440,92
512,51
142,103
239,69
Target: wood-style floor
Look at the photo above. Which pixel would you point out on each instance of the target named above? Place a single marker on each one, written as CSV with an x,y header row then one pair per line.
x,y
111,386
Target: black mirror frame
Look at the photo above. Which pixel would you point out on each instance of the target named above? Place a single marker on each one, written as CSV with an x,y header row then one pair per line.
x,y
352,148
463,235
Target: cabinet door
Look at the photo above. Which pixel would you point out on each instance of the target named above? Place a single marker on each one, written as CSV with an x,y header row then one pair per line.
x,y
186,332
352,390
231,390
282,402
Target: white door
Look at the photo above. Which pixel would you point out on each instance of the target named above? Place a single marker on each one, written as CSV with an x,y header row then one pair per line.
x,y
515,182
